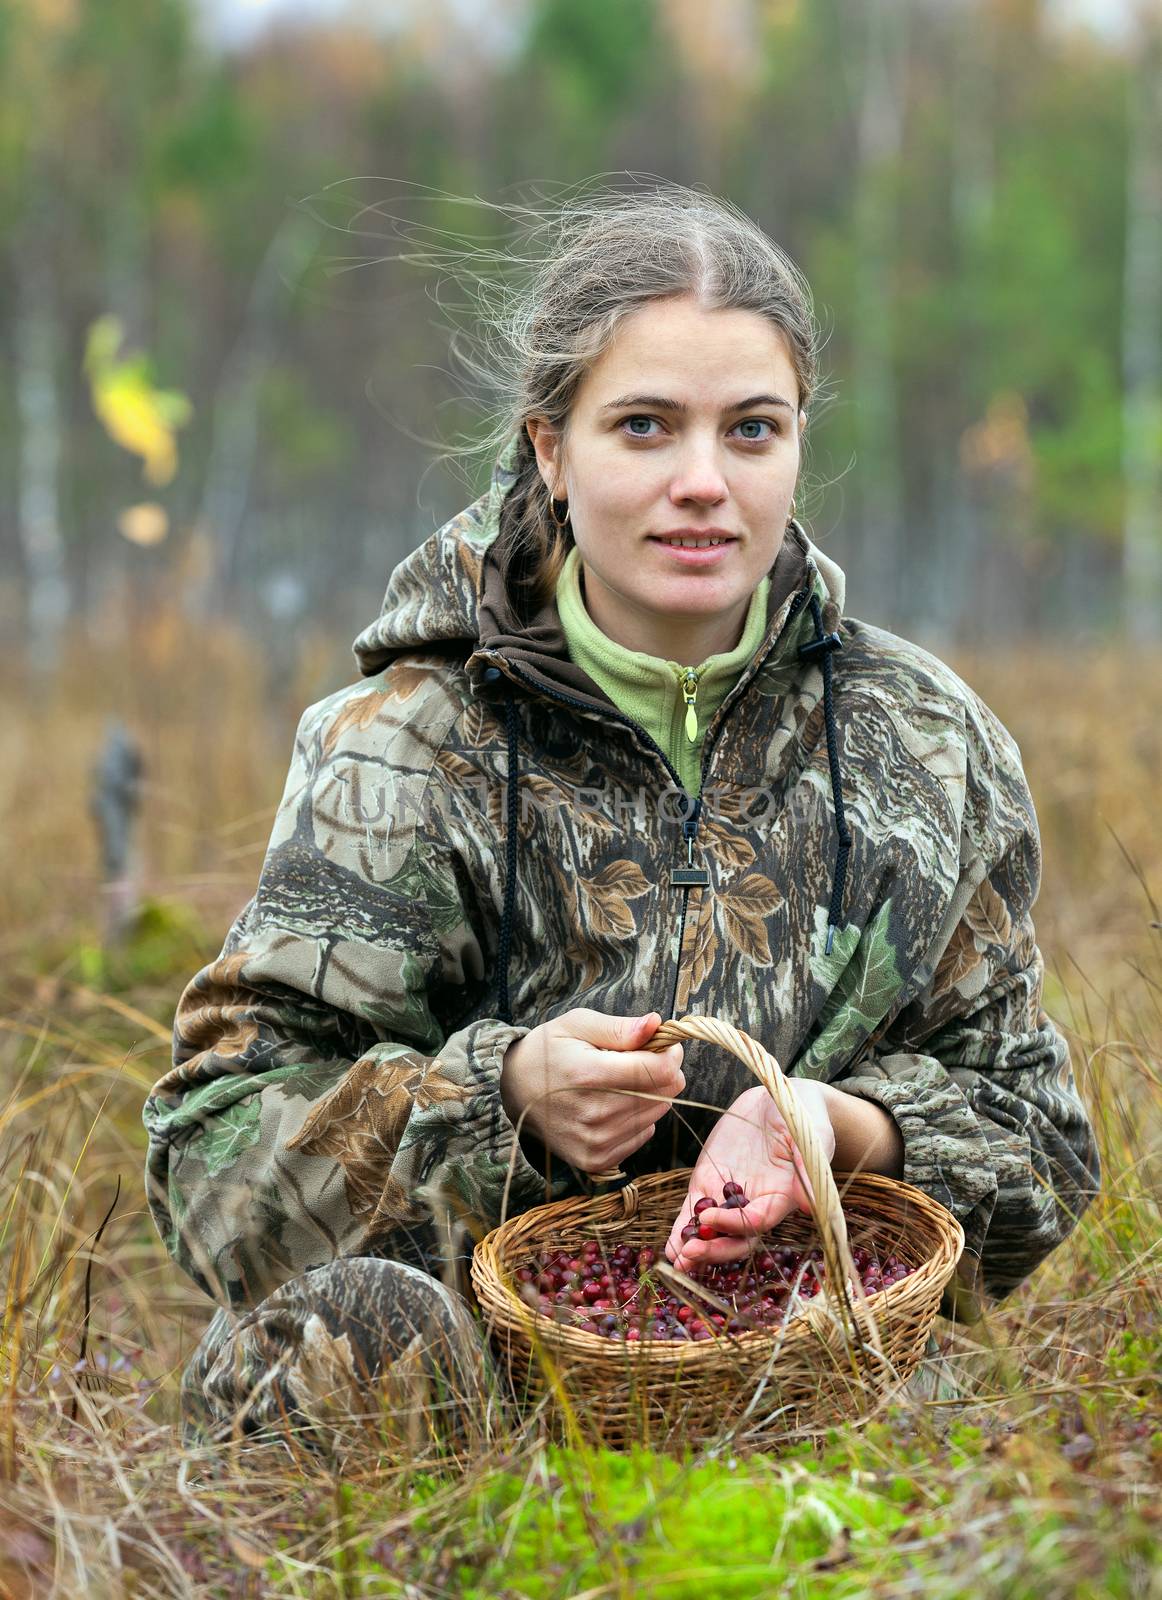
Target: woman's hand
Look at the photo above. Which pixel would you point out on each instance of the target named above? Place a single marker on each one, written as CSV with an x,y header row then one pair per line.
x,y
589,1092
751,1144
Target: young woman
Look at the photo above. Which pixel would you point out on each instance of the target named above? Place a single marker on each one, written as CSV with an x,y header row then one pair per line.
x,y
617,754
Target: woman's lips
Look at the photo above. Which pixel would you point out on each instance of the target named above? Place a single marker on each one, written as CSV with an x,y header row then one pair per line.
x,y
695,558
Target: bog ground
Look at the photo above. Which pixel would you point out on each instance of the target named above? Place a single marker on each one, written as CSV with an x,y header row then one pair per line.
x,y
1042,1482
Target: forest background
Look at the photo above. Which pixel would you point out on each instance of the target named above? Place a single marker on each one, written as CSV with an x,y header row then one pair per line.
x,y
229,405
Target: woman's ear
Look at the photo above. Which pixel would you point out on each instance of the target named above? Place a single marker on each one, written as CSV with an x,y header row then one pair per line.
x,y
546,442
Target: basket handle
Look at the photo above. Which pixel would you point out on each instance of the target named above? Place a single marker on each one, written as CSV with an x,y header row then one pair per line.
x,y
827,1208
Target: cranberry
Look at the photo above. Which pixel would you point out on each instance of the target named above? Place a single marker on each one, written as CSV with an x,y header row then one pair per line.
x,y
618,1298
702,1205
732,1188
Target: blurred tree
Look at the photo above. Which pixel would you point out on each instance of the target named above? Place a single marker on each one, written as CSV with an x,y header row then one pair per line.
x,y
970,187
34,219
878,29
1142,335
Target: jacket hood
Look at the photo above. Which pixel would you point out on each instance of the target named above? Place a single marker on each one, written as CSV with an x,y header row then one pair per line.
x,y
452,594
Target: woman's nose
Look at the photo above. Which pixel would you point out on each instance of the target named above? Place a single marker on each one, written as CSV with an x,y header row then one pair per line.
x,y
699,477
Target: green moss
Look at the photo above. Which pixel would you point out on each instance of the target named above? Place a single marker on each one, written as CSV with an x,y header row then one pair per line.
x,y
581,1520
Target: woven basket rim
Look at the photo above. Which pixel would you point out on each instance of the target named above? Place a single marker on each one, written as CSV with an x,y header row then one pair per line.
x,y
844,1182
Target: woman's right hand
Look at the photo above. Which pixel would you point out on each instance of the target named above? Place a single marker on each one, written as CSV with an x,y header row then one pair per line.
x,y
580,1079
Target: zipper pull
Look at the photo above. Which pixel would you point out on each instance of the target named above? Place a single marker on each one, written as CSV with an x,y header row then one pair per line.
x,y
690,876
689,691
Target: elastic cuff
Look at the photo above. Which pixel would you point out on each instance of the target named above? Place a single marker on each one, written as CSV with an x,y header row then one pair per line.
x,y
494,1134
945,1152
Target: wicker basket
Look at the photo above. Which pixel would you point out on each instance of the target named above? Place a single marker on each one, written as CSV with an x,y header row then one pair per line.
x,y
831,1361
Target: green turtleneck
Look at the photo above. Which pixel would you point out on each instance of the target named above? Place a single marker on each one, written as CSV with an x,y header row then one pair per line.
x,y
650,689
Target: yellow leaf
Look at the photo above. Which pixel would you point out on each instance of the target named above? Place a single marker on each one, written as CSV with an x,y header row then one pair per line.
x,y
135,414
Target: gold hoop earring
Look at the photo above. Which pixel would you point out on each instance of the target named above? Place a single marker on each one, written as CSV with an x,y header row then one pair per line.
x,y
561,522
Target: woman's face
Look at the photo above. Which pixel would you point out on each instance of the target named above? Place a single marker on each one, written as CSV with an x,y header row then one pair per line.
x,y
690,422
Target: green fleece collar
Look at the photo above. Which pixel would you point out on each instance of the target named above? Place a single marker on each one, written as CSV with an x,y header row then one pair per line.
x,y
650,689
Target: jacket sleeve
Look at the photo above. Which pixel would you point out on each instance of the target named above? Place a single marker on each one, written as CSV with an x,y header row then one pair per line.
x,y
322,1100
974,1073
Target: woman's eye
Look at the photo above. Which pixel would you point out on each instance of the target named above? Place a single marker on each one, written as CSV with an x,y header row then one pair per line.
x,y
633,433
762,422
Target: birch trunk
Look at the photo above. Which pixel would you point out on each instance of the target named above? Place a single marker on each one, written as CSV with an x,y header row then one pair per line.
x,y
1142,339
234,429
960,553
880,26
35,354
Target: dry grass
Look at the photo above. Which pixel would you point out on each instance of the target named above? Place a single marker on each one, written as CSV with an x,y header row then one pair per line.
x,y
1043,1483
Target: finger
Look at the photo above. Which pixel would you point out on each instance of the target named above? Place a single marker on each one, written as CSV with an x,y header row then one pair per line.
x,y
685,1214
621,1115
634,1071
611,1032
629,1146
734,1222
695,1253
759,1215
738,1229
647,1117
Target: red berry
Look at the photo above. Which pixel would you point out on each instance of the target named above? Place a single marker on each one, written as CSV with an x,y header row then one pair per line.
x,y
702,1205
705,1231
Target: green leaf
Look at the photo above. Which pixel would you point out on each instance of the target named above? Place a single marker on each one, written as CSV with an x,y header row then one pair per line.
x,y
864,987
235,1130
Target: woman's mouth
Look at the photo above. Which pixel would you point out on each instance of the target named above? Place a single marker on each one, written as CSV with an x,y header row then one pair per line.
x,y
701,551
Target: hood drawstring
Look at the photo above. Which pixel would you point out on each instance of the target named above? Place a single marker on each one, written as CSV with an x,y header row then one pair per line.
x,y
823,645
504,1008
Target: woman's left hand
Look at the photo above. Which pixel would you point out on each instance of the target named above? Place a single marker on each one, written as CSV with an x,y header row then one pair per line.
x,y
751,1144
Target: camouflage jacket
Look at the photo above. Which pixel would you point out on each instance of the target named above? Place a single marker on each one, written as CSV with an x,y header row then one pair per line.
x,y
335,1079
